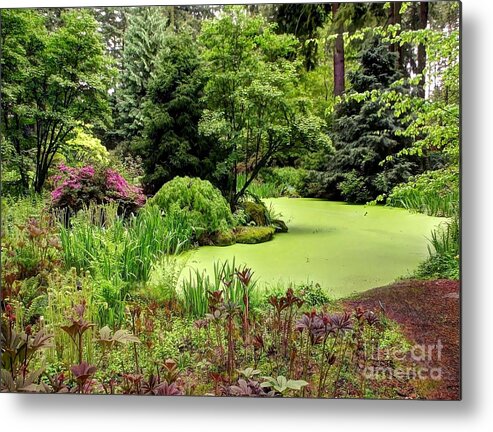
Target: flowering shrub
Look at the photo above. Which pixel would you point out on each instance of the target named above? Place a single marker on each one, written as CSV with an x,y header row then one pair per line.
x,y
77,187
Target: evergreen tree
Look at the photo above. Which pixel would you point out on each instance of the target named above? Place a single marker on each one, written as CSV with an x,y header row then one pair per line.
x,y
365,133
143,38
171,145
112,23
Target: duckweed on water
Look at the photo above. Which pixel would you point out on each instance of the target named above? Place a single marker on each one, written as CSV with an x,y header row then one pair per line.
x,y
345,248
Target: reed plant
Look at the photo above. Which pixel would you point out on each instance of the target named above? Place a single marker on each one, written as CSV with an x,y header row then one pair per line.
x,y
104,243
195,289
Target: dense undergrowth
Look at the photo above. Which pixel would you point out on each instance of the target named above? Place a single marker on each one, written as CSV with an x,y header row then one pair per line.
x,y
93,304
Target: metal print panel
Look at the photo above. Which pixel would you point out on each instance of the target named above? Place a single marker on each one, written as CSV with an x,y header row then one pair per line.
x,y
254,200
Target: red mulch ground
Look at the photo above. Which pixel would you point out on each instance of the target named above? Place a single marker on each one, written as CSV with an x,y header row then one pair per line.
x,y
427,311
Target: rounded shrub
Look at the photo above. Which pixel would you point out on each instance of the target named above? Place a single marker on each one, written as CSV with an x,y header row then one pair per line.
x,y
205,207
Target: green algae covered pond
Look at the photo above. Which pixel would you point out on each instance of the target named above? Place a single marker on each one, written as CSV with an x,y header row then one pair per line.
x,y
345,248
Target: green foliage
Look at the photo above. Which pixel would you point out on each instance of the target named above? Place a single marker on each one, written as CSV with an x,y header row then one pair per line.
x,y
435,193
52,82
353,187
436,120
364,134
289,177
30,251
314,182
196,201
259,187
18,350
439,266
100,241
313,294
228,95
65,290
444,251
432,123
195,296
303,20
162,285
85,148
17,210
253,109
21,36
275,182
196,290
282,385
170,144
110,297
145,32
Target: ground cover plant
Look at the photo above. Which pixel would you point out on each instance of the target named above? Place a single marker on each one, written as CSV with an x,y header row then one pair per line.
x,y
197,200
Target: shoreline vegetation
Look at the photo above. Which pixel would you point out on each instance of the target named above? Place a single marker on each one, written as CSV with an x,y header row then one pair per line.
x,y
201,200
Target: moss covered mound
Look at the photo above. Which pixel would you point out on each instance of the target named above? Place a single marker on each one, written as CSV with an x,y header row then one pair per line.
x,y
254,234
255,212
223,238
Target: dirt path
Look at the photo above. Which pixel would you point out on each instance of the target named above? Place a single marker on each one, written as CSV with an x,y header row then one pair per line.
x,y
429,313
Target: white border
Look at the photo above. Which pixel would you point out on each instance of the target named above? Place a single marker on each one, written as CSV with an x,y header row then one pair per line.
x,y
474,413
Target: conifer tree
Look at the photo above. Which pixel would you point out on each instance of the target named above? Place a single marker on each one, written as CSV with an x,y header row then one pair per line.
x,y
144,35
170,144
365,133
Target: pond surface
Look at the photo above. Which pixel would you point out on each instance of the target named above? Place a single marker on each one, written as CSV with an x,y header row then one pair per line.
x,y
345,248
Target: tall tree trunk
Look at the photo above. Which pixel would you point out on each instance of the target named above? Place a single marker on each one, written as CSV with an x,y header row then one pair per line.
x,y
39,179
423,23
395,18
339,62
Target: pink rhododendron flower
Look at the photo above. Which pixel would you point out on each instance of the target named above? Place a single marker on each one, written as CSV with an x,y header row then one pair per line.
x,y
79,185
57,193
116,182
87,171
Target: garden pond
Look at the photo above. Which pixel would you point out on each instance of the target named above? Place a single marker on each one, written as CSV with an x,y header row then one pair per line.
x,y
344,248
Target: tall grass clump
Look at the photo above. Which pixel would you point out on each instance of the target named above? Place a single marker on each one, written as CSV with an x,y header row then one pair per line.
x,y
275,182
195,290
90,239
106,244
444,252
151,235
435,193
260,188
195,294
